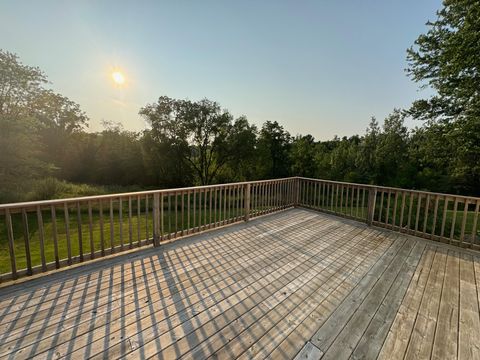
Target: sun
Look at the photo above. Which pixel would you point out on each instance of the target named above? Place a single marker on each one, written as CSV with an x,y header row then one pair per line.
x,y
118,77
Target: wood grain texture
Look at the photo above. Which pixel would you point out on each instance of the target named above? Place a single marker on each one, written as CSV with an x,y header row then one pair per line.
x,y
297,284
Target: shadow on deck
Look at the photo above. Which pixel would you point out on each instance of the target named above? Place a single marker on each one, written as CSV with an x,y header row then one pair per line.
x,y
293,284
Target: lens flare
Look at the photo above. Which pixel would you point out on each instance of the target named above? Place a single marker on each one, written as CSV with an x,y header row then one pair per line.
x,y
118,78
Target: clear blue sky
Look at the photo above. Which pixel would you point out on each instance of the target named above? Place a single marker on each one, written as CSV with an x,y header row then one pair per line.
x,y
318,67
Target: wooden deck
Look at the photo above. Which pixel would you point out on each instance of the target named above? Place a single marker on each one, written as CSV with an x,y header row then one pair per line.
x,y
295,284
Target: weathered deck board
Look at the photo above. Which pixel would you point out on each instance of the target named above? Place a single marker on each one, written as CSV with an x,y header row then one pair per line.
x,y
297,284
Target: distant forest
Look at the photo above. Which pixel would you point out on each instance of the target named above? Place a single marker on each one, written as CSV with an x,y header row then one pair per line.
x,y
46,151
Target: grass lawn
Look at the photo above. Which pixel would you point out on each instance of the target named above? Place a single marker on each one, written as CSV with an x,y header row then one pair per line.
x,y
140,228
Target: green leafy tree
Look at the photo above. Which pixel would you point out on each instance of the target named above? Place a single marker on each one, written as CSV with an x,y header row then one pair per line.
x,y
446,59
201,134
391,153
242,142
302,156
273,151
19,140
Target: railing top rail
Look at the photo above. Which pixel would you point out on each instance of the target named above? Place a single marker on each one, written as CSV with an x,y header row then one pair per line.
x,y
32,204
368,186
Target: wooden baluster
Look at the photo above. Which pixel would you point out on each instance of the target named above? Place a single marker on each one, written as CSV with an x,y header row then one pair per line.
x,y
183,213
444,216
387,215
156,219
112,233
130,225
11,243
41,238
380,213
67,234
277,195
260,189
372,199
352,201
402,209
341,199
26,239
261,197
358,202
425,220
169,215
195,208
331,191
247,201
337,198
120,222
348,196
435,212
324,190
253,189
464,220
204,209
224,205
454,218
147,235
215,207
139,207
271,196
363,203
200,210
102,237
410,210
238,192
395,203
90,230
417,216
162,215
188,212
55,237
79,232
176,214
210,208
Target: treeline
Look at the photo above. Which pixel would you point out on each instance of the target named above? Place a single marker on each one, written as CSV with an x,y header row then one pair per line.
x,y
44,147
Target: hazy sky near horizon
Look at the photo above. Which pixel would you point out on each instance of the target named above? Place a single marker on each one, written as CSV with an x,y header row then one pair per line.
x,y
318,67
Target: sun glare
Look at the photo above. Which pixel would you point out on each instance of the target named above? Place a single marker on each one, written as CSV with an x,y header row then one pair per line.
x,y
118,78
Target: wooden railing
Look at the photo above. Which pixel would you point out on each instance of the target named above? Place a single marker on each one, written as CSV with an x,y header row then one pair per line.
x,y
452,219
45,235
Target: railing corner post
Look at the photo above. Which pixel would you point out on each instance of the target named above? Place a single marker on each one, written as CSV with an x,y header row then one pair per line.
x,y
372,195
247,201
156,220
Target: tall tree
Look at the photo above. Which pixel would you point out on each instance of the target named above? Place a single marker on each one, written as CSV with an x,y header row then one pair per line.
x,y
200,132
446,59
303,156
274,150
20,85
19,143
242,142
